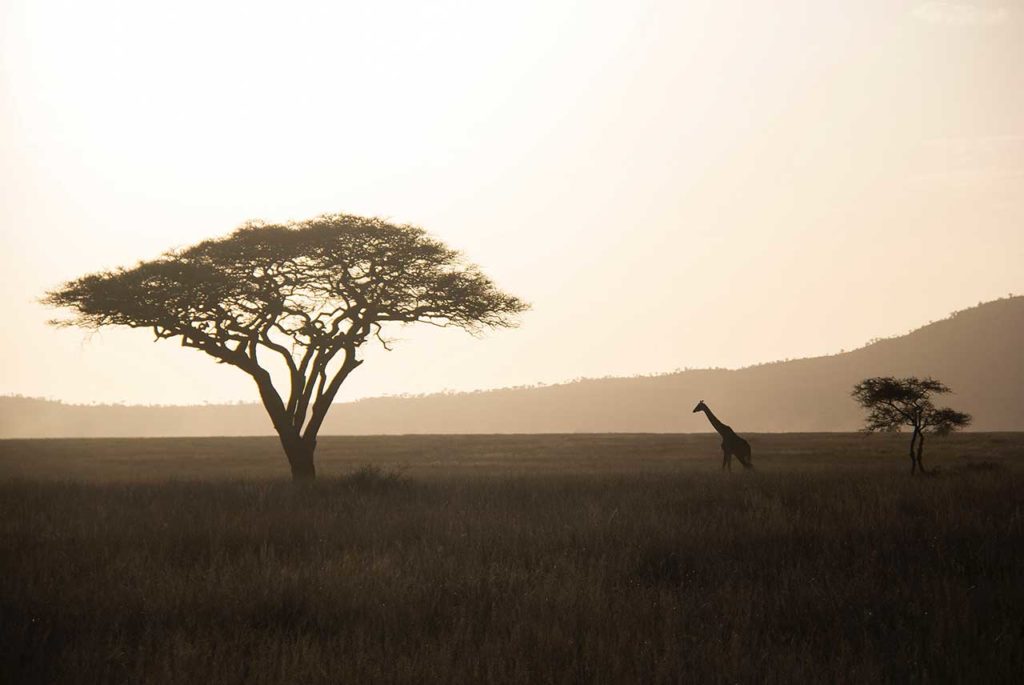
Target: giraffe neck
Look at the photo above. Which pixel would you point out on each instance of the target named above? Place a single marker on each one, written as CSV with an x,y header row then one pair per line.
x,y
719,426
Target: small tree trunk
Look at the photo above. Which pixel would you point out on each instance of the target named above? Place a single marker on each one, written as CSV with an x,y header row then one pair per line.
x,y
913,456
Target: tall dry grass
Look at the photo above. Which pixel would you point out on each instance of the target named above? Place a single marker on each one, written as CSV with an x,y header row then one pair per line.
x,y
785,575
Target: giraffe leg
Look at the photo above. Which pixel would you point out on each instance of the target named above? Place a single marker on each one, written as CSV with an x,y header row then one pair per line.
x,y
743,454
726,459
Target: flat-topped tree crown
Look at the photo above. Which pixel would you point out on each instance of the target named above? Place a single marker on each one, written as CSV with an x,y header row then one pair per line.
x,y
307,294
893,403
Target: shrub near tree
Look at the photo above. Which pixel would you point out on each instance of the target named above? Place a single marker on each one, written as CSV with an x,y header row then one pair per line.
x,y
895,403
291,305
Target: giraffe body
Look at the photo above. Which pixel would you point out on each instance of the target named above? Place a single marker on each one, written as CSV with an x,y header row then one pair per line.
x,y
732,444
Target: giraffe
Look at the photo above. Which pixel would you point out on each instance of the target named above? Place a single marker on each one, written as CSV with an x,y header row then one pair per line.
x,y
732,444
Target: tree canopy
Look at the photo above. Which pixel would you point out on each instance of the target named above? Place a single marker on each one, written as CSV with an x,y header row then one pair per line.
x,y
308,294
897,402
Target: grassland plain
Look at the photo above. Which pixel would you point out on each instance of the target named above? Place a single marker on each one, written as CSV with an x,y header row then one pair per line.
x,y
542,559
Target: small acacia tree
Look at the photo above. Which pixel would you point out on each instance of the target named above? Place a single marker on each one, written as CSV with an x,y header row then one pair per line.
x,y
897,402
291,304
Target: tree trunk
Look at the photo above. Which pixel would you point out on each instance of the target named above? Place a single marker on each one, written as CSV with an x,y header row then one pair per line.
x,y
913,456
300,458
298,450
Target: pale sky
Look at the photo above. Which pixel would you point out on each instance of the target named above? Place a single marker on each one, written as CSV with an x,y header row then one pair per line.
x,y
669,183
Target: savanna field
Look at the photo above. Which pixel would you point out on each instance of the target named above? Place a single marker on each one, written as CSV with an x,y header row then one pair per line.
x,y
527,559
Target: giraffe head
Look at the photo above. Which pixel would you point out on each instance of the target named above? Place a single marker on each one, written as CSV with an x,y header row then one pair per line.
x,y
700,407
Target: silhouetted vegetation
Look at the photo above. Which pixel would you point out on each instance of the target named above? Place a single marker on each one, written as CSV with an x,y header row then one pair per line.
x,y
307,295
894,403
527,559
977,353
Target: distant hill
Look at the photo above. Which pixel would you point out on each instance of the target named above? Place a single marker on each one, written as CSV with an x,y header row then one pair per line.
x,y
978,352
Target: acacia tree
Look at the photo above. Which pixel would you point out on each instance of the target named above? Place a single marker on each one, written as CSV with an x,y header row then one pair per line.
x,y
897,402
291,304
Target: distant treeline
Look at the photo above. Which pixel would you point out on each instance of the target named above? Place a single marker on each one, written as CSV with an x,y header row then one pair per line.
x,y
977,352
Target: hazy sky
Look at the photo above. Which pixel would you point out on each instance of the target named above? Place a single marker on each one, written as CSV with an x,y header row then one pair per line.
x,y
669,183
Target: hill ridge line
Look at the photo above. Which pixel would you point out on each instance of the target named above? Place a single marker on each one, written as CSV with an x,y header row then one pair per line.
x,y
976,351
